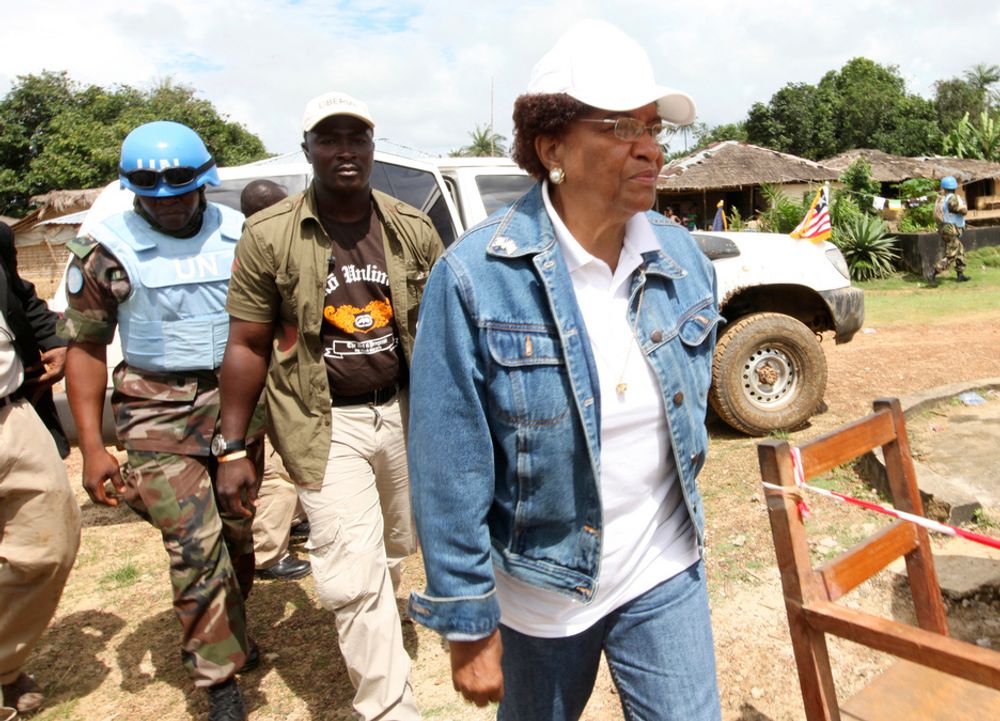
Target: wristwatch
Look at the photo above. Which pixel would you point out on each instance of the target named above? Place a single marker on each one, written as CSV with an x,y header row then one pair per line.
x,y
222,447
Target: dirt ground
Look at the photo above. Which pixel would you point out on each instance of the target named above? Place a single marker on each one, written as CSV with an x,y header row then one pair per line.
x,y
111,652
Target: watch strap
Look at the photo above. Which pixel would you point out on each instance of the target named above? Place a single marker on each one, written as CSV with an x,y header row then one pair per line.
x,y
234,456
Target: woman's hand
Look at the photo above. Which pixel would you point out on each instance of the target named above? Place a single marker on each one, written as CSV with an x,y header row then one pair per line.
x,y
475,669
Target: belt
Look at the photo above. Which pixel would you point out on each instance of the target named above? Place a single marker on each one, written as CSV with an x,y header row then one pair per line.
x,y
11,399
376,397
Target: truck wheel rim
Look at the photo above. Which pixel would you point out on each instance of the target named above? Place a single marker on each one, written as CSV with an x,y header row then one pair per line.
x,y
769,378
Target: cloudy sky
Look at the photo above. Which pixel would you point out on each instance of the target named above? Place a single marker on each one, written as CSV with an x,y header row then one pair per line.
x,y
431,70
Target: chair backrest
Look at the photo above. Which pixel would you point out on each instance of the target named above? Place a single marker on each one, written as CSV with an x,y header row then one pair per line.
x,y
810,592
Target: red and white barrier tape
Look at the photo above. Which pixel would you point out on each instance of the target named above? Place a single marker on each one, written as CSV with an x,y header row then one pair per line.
x,y
943,528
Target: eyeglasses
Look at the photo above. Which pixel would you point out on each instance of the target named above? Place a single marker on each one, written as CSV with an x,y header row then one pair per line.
x,y
175,177
629,129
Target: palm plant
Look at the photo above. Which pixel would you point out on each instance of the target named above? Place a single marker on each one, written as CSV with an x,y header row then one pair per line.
x,y
971,140
486,143
783,213
983,77
870,252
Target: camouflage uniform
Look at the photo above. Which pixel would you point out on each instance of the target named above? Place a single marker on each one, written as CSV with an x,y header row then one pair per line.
x,y
951,235
166,422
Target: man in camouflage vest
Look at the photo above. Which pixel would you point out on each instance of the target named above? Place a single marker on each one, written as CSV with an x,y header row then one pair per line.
x,y
949,212
159,272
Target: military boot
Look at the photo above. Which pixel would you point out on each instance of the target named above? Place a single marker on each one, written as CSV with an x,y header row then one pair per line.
x,y
962,277
225,703
932,279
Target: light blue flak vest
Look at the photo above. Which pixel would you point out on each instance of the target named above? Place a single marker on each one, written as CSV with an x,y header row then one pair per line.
x,y
947,216
175,318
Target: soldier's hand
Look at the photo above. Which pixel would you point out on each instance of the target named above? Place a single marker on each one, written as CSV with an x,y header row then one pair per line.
x,y
98,468
236,487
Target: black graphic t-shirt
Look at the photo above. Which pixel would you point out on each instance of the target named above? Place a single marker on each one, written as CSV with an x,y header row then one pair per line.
x,y
360,339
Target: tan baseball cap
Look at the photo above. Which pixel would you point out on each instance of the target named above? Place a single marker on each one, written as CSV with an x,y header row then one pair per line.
x,y
329,104
598,64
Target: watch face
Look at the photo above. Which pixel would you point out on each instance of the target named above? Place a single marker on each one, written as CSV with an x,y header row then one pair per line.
x,y
218,445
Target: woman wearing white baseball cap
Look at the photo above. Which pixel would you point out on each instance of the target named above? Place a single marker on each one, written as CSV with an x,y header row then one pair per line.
x,y
557,412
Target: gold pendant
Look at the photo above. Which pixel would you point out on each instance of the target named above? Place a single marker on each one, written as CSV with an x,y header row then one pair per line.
x,y
621,388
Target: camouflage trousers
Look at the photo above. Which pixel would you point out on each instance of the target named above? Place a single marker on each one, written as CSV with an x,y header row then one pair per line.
x,y
211,557
953,250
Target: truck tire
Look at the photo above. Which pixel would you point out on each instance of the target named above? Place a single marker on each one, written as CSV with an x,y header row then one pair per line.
x,y
768,374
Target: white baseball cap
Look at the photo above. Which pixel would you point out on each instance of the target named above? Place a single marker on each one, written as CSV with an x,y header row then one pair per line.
x,y
329,104
598,64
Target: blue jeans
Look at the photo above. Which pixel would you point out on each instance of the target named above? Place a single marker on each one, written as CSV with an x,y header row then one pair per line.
x,y
659,650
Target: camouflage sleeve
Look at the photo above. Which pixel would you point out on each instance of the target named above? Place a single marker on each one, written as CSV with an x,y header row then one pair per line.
x,y
95,284
956,204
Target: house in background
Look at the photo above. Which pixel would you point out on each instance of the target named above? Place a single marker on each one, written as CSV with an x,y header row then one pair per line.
x,y
41,235
733,172
977,179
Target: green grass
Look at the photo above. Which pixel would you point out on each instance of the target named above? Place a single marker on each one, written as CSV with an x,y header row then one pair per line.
x,y
905,297
985,521
121,576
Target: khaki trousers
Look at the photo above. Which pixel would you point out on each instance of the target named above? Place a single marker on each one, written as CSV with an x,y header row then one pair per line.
x,y
361,529
39,533
277,507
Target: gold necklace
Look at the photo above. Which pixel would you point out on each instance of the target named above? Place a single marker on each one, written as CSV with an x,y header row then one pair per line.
x,y
622,385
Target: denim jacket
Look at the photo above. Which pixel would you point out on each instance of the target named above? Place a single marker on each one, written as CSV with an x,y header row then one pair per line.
x,y
504,432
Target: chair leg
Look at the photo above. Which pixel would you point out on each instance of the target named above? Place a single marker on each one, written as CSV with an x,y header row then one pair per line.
x,y
813,662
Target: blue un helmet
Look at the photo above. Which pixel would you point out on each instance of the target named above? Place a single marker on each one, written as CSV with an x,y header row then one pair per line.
x,y
948,182
163,158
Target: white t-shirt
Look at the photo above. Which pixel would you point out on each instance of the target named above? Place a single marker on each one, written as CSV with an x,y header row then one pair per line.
x,y
11,368
647,535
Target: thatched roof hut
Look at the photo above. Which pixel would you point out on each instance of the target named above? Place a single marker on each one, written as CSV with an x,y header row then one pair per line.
x,y
977,179
888,168
730,164
42,234
733,172
63,202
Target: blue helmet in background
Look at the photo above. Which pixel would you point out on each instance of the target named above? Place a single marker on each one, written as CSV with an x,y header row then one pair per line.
x,y
163,158
948,182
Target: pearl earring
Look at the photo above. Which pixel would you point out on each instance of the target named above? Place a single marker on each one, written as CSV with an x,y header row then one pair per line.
x,y
557,175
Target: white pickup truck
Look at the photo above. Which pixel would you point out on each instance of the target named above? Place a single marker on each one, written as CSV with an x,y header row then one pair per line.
x,y
777,294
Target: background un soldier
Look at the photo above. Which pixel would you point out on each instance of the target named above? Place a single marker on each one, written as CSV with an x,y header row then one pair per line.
x,y
160,273
949,212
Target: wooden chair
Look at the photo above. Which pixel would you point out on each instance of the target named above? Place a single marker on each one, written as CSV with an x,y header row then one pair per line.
x,y
938,676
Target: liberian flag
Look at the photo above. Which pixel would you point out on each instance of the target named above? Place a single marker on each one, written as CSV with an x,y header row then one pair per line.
x,y
816,225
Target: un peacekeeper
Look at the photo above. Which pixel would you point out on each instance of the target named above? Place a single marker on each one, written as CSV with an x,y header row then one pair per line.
x,y
160,272
949,212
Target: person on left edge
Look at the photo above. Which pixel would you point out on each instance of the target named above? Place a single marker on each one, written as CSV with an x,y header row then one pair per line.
x,y
324,301
39,516
160,273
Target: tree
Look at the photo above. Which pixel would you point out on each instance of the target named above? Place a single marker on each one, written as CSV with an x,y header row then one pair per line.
x,y
705,135
56,133
863,105
485,144
799,119
954,98
983,77
859,185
